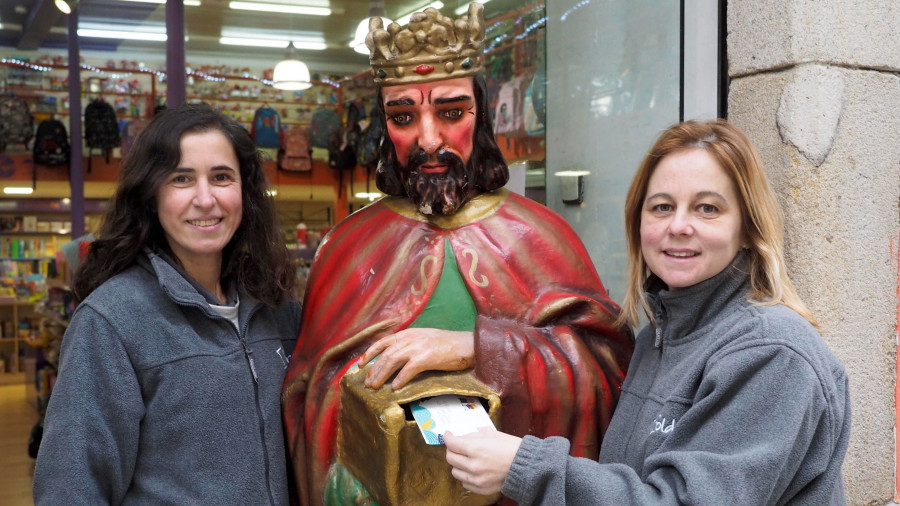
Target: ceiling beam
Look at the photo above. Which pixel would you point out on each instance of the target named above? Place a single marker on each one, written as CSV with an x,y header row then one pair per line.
x,y
37,26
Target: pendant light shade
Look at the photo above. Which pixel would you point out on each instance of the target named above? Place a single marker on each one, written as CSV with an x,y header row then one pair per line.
x,y
66,6
291,73
359,40
376,8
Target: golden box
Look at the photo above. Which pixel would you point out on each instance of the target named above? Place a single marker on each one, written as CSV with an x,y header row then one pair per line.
x,y
380,443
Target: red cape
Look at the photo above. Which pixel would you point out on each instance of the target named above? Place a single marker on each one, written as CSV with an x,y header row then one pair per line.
x,y
544,339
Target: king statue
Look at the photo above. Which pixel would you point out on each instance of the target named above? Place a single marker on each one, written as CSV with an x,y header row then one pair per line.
x,y
449,284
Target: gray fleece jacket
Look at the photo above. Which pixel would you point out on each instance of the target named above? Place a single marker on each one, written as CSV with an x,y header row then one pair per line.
x,y
725,402
160,400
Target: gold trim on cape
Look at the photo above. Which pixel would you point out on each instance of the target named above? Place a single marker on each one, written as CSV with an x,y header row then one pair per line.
x,y
477,208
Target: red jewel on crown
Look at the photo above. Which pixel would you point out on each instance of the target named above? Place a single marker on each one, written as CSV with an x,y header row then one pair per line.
x,y
424,69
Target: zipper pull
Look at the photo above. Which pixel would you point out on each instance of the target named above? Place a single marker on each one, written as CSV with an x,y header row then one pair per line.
x,y
658,342
252,364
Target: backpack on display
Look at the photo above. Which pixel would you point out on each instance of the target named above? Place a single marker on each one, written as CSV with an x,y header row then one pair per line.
x,y
51,143
370,141
101,129
343,143
341,153
130,131
325,121
266,128
16,121
296,155
342,146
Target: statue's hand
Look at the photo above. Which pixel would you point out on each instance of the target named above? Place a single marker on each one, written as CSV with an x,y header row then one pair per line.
x,y
412,351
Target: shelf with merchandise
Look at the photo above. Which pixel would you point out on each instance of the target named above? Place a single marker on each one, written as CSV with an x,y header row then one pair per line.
x,y
135,91
240,96
35,233
32,233
33,320
42,354
28,247
18,322
132,92
42,263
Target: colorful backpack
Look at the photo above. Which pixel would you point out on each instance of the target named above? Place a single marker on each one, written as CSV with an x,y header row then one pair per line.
x,y
101,129
325,121
51,144
266,129
296,155
16,121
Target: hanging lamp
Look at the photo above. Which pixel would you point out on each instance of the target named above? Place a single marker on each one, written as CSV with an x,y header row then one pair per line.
x,y
66,6
376,8
291,73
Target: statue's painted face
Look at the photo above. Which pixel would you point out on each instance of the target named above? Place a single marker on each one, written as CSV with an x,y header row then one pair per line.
x,y
432,127
431,116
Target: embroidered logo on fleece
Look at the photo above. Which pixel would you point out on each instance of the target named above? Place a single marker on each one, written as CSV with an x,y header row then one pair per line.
x,y
284,358
663,426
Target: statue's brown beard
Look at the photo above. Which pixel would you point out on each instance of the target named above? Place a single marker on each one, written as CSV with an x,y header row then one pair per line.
x,y
437,193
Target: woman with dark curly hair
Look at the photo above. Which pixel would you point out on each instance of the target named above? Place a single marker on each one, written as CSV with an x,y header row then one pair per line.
x,y
171,369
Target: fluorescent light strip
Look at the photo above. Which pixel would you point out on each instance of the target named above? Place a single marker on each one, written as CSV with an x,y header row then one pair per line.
x,y
272,38
287,9
17,190
310,44
237,41
299,44
121,34
285,35
187,3
404,20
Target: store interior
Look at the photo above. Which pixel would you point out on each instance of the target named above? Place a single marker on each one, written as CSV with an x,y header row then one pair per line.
x,y
230,51
230,54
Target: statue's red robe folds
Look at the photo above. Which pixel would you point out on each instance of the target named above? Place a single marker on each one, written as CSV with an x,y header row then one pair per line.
x,y
544,339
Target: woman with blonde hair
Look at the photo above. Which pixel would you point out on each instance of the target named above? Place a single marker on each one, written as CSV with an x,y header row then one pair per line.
x,y
731,395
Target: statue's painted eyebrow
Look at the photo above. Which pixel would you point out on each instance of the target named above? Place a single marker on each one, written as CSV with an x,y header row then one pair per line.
x,y
402,101
450,100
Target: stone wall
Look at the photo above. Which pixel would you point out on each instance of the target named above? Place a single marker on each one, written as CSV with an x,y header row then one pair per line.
x,y
816,86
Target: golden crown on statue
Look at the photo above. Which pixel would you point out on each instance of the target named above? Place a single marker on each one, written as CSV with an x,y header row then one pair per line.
x,y
432,48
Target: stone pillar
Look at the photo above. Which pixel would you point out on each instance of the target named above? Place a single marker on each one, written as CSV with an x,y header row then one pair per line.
x,y
815,85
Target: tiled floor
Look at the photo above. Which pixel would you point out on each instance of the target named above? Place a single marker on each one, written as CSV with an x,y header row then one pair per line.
x,y
17,417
